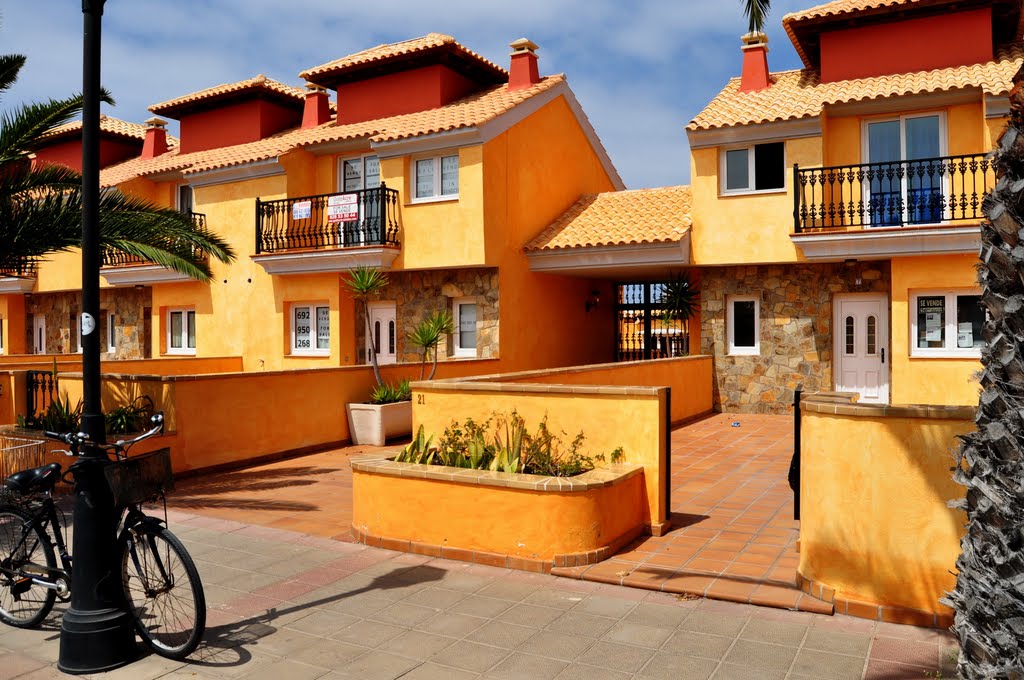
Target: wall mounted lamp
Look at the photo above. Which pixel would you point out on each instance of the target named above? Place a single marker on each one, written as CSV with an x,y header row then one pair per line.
x,y
591,303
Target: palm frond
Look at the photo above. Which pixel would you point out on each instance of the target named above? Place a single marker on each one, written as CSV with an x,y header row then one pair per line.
x,y
10,66
756,12
21,130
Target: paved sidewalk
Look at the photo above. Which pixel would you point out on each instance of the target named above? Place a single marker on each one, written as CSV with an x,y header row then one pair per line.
x,y
291,606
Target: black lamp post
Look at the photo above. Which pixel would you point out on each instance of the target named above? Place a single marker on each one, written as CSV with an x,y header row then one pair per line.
x,y
97,632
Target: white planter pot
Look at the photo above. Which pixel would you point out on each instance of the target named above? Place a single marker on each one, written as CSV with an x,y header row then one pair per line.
x,y
373,423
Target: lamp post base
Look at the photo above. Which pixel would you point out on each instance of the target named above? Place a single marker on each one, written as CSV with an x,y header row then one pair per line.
x,y
96,641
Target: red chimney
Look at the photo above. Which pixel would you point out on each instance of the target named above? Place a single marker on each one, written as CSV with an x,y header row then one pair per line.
x,y
755,63
156,138
318,107
523,71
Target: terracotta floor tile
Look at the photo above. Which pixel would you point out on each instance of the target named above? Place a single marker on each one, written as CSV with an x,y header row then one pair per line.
x,y
705,565
732,591
692,584
775,596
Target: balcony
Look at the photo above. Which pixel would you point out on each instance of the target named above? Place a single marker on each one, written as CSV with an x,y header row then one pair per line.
x,y
122,269
19,278
923,206
329,232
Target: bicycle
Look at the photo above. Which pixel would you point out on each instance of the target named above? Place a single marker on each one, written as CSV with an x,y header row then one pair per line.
x,y
161,585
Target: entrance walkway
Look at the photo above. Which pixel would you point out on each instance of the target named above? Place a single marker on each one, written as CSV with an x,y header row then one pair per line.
x,y
733,537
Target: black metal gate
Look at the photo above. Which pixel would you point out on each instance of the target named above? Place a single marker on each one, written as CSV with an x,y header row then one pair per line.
x,y
641,327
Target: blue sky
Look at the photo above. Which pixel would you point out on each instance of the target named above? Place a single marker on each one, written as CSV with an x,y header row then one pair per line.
x,y
641,69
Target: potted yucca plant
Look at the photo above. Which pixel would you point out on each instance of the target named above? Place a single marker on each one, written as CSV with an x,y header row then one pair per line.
x,y
389,410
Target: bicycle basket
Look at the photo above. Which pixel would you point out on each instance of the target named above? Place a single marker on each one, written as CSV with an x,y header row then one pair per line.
x,y
139,479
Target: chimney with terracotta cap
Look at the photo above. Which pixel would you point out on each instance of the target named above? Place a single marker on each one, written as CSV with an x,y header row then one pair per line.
x,y
523,71
318,107
155,143
755,63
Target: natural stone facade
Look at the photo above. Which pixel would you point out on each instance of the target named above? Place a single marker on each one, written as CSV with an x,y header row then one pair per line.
x,y
795,329
418,294
62,314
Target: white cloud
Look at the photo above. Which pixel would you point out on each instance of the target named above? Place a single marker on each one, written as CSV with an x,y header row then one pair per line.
x,y
641,69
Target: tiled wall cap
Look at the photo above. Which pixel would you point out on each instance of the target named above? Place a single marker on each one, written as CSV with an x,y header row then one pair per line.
x,y
844,404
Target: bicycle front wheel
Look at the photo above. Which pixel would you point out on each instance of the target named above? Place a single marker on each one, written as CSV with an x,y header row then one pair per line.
x,y
163,591
25,551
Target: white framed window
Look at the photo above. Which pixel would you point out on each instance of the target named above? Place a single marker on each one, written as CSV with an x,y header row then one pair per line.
x,y
356,174
436,178
754,168
743,324
181,331
185,199
946,323
464,313
311,329
907,186
111,333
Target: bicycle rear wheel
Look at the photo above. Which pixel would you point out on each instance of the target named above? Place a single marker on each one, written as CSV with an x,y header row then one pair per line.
x,y
163,591
25,551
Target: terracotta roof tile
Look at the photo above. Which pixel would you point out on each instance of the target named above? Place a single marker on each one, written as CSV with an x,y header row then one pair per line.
x,y
390,51
799,94
470,111
114,126
260,82
841,7
620,218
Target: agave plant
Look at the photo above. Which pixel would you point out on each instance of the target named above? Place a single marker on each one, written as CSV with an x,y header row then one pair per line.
x,y
420,450
508,454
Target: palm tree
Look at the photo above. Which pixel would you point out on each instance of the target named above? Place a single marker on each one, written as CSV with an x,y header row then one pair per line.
x,y
989,595
429,334
756,11
41,206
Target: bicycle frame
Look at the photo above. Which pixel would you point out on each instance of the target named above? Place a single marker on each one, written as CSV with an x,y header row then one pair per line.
x,y
47,514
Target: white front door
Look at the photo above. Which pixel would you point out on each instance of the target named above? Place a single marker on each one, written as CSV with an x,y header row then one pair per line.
x,y
383,326
38,334
862,346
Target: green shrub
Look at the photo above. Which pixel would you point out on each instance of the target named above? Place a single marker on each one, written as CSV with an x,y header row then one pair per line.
x,y
133,417
388,393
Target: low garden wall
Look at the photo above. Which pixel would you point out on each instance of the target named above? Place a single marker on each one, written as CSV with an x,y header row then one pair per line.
x,y
876,534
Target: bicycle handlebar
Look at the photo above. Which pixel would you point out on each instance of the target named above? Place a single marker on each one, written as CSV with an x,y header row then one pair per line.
x,y
76,439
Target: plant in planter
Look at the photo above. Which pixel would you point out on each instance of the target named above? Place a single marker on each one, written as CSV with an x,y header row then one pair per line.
x,y
389,413
510,447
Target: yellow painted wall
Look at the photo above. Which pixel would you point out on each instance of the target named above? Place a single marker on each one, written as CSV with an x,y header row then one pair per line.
x,y
12,320
875,525
636,422
532,174
523,523
929,380
745,229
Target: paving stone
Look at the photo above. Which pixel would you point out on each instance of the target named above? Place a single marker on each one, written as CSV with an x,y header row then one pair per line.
x,y
637,634
761,655
361,605
556,645
774,632
451,625
559,599
582,624
436,598
417,645
284,642
599,605
368,633
509,590
666,666
403,614
478,605
698,644
838,642
660,615
466,583
713,624
529,615
432,671
379,666
292,670
322,623
519,666
583,672
618,657
730,671
329,653
828,666
501,634
470,656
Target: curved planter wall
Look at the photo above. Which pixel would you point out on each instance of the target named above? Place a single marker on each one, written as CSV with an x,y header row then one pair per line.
x,y
518,521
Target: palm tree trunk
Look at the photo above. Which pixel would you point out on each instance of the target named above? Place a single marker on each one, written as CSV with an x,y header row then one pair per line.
x,y
989,594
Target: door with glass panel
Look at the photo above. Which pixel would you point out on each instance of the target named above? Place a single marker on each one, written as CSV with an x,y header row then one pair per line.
x,y
861,348
383,327
361,175
904,180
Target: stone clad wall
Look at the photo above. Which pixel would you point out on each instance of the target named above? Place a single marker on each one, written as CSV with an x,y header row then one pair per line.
x,y
795,329
420,293
131,324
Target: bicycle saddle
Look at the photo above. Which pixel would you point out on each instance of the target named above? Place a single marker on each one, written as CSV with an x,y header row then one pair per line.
x,y
36,479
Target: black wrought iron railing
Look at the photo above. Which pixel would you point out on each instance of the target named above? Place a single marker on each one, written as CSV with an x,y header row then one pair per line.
x,y
25,269
40,390
354,218
892,194
119,258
